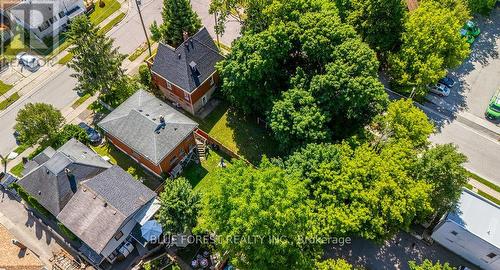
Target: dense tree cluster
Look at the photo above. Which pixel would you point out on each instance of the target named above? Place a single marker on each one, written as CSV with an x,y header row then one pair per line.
x,y
308,72
428,265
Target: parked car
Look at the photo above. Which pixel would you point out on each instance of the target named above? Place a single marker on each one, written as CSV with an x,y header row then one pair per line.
x,y
493,110
470,31
447,81
92,134
28,61
125,250
461,267
440,90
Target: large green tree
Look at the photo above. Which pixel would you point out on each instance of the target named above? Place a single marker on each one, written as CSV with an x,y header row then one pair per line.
x,y
431,43
38,121
178,17
96,63
361,191
179,206
379,22
260,216
314,47
403,120
330,264
481,6
442,167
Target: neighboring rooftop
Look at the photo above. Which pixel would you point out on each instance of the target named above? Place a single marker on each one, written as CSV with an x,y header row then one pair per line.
x,y
137,124
35,12
54,181
190,64
102,204
478,216
12,257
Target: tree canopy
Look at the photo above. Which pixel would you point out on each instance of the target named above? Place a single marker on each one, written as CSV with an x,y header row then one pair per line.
x,y
360,191
330,264
428,265
96,63
431,43
403,120
178,17
442,167
38,121
309,52
179,206
260,216
379,22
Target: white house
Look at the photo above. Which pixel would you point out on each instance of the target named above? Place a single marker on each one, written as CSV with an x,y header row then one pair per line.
x,y
44,17
472,231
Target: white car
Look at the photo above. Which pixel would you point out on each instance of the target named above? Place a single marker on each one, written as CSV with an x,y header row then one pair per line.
x,y
440,90
29,61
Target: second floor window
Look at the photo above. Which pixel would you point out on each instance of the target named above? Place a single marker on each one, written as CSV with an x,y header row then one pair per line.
x,y
169,85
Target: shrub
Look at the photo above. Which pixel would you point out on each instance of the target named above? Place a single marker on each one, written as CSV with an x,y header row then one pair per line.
x,y
67,233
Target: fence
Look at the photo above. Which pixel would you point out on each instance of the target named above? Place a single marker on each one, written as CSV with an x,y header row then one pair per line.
x,y
218,145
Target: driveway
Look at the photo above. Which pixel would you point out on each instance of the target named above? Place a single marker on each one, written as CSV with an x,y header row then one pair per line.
x,y
393,253
28,229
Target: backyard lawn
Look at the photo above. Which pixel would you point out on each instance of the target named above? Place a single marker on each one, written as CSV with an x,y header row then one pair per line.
x,y
241,135
199,174
100,14
128,164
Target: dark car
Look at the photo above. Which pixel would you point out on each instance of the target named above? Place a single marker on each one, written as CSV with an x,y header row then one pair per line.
x,y
93,136
447,81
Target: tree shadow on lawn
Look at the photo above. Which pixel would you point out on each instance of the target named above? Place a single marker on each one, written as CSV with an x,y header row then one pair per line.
x,y
199,174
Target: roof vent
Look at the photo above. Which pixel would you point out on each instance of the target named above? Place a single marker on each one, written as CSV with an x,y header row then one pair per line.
x,y
187,46
140,110
191,42
39,192
162,119
179,55
105,204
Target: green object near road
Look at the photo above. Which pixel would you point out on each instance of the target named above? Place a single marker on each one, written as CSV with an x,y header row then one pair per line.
x,y
493,110
470,31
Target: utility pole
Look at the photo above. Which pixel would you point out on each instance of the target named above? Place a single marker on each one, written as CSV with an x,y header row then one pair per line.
x,y
138,3
217,30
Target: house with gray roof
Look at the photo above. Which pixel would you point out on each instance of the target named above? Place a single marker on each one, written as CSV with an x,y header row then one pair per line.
x,y
151,132
186,75
52,177
98,202
472,230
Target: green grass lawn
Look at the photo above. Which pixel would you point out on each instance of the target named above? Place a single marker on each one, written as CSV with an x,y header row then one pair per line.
x,y
65,59
4,88
17,170
483,181
100,14
15,46
199,174
128,164
139,51
7,102
241,135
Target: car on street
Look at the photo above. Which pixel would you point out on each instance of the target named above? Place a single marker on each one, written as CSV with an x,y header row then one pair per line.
x,y
92,134
447,81
28,61
440,90
493,110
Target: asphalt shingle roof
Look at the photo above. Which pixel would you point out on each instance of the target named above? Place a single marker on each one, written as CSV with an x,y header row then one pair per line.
x,y
102,204
49,183
174,64
135,123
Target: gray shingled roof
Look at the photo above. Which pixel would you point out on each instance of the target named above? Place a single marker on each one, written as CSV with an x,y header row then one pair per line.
x,y
136,120
199,49
49,183
38,160
102,204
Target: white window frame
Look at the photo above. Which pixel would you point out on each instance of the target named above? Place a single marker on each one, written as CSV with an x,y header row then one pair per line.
x,y
212,82
169,85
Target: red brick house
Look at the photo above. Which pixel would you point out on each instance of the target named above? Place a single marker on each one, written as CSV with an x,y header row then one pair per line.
x,y
151,132
186,75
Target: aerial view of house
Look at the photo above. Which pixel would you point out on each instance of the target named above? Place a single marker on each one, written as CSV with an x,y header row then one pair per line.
x,y
472,231
43,18
151,132
186,75
79,188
